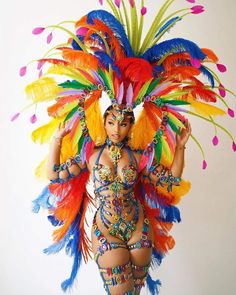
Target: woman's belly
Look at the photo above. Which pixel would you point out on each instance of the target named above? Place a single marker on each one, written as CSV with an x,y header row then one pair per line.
x,y
125,227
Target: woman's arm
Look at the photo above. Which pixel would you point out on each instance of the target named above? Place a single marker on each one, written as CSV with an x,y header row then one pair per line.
x,y
60,172
181,139
159,174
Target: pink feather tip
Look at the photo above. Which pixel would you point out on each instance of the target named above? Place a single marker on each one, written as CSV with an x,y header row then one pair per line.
x,y
101,2
15,117
38,30
191,1
40,73
222,68
40,64
131,3
143,10
222,90
117,3
33,119
197,9
82,31
231,112
234,146
195,62
204,164
215,140
23,71
49,38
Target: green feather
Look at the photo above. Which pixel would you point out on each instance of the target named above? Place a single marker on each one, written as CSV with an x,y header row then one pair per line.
x,y
176,121
153,85
143,90
172,125
166,148
80,143
72,84
103,76
71,113
158,151
176,102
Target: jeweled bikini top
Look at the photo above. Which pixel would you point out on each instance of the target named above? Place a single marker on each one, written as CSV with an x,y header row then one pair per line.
x,y
103,174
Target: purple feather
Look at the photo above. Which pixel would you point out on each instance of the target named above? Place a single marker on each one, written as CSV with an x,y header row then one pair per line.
x,y
121,93
129,95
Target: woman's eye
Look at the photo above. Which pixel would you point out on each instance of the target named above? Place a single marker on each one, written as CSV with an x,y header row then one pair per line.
x,y
110,123
123,125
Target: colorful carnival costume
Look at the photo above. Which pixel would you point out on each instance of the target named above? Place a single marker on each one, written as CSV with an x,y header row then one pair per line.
x,y
107,56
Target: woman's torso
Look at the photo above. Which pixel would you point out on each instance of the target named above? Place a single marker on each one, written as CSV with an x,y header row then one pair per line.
x,y
114,191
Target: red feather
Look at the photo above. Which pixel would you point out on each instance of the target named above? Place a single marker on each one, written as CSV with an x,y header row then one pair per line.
x,y
201,93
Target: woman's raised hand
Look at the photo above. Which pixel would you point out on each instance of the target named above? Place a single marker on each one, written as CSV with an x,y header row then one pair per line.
x,y
62,130
182,138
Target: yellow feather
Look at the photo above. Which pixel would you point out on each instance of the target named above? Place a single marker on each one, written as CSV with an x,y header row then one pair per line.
x,y
67,108
142,132
177,191
205,109
76,137
43,89
95,123
176,121
67,148
166,155
44,133
69,72
41,170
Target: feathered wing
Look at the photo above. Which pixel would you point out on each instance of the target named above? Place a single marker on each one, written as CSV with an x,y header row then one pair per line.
x,y
160,207
67,202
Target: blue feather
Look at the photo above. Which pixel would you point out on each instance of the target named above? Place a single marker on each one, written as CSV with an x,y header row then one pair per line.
x,y
167,24
75,45
175,45
57,247
170,214
153,286
209,76
109,20
45,200
106,60
54,221
157,258
72,249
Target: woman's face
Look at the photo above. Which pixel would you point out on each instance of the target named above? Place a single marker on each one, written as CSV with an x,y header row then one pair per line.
x,y
117,131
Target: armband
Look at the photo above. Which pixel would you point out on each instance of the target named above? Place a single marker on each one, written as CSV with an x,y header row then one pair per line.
x,y
67,163
163,180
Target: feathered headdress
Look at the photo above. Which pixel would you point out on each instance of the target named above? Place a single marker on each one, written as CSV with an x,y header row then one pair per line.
x,y
106,53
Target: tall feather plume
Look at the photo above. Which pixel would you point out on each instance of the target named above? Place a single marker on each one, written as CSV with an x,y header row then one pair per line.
x,y
176,45
118,30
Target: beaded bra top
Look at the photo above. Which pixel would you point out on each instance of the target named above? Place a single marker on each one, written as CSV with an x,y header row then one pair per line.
x,y
104,175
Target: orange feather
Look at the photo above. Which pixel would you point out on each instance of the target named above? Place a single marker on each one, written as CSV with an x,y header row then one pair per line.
x,y
211,56
80,59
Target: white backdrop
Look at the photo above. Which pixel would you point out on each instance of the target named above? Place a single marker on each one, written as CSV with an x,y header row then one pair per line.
x,y
203,260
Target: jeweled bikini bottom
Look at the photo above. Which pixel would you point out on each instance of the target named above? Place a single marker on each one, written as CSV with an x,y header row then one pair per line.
x,y
118,274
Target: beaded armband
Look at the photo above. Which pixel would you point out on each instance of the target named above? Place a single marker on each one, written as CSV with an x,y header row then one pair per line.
x,y
169,180
67,164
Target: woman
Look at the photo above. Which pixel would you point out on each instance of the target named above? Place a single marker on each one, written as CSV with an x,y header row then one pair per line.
x,y
136,167
120,219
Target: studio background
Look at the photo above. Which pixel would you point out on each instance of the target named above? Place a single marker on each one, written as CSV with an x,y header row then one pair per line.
x,y
203,261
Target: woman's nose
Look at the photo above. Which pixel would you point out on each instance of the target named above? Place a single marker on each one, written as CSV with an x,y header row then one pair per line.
x,y
116,128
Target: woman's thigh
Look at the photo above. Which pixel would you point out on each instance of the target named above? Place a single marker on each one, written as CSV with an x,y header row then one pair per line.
x,y
115,269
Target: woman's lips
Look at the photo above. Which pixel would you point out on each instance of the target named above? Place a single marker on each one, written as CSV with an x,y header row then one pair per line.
x,y
115,136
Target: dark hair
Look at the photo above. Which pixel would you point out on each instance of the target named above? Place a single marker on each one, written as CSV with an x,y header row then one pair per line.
x,y
111,107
